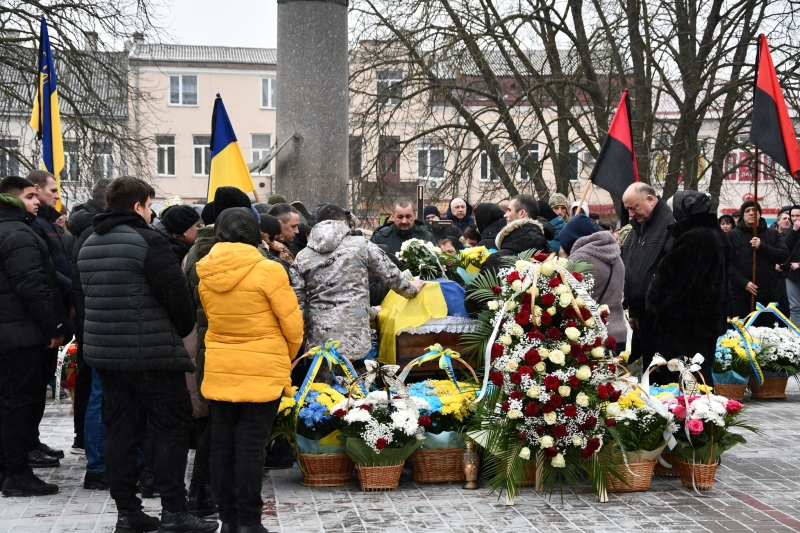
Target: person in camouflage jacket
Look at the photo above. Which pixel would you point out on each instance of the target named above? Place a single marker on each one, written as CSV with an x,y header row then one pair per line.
x,y
330,276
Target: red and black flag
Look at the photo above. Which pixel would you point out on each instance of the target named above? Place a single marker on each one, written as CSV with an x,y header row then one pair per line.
x,y
771,128
615,168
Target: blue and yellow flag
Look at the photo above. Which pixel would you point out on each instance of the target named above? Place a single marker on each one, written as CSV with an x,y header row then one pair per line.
x,y
45,118
228,167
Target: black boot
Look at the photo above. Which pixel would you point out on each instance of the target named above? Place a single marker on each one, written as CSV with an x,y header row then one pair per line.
x,y
47,450
228,527
27,484
38,459
147,483
135,522
255,528
95,481
200,503
183,522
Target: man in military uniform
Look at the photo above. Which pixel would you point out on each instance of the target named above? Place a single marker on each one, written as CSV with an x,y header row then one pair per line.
x,y
330,276
403,227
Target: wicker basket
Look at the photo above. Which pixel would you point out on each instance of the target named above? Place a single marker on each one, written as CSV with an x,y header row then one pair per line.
x,y
774,388
326,470
379,478
438,466
635,483
662,471
703,474
734,392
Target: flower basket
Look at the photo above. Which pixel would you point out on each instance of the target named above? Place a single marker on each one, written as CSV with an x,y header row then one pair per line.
x,y
735,392
326,470
437,466
703,474
638,481
773,388
379,478
671,459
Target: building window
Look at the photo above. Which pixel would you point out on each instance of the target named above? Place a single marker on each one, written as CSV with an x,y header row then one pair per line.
x,y
202,154
574,162
260,147
430,159
268,93
355,156
9,166
389,152
389,86
489,170
102,161
183,90
533,158
165,155
72,162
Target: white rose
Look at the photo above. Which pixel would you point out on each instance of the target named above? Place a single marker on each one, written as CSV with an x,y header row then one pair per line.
x,y
547,269
563,261
544,352
525,453
552,311
533,291
613,409
540,367
546,442
557,357
580,302
572,333
550,418
522,265
590,322
603,307
493,305
565,299
598,352
533,392
558,461
582,400
564,390
512,366
584,373
505,340
514,414
516,330
560,289
516,284
511,305
577,441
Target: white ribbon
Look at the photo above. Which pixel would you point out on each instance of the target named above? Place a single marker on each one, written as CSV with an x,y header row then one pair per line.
x,y
389,375
62,353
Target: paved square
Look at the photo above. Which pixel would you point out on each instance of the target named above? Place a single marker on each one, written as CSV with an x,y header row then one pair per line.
x,y
757,489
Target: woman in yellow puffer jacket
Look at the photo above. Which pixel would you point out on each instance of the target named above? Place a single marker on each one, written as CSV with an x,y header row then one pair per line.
x,y
255,329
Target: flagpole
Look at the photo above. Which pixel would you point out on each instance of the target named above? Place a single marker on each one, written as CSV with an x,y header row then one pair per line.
x,y
755,229
583,196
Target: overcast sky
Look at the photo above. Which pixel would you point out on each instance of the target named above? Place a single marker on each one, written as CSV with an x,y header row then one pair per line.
x,y
250,23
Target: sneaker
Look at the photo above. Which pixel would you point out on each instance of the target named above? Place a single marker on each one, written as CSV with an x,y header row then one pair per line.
x,y
135,522
183,522
27,484
47,450
37,459
95,481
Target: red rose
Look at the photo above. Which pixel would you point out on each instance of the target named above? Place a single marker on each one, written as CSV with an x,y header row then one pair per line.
x,y
605,321
614,395
496,290
590,422
554,333
540,430
397,397
604,389
556,400
555,282
574,382
511,278
586,453
547,319
540,257
497,350
581,358
425,421
569,312
585,313
532,409
550,452
560,431
610,422
526,370
575,349
532,357
733,407
366,407
516,379
611,343
604,314
339,413
505,406
523,318
497,378
526,299
535,335
578,276
570,410
551,383
598,342
570,324
381,443
516,395
548,407
586,348
593,444
548,299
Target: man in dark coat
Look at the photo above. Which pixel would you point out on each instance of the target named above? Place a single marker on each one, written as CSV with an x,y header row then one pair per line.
x,y
646,244
460,212
490,219
31,326
138,308
688,297
771,251
404,227
791,267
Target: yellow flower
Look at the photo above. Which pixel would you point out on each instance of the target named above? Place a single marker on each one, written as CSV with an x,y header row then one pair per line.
x,y
631,399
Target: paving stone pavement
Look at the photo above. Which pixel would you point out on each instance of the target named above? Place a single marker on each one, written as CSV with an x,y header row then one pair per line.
x,y
757,490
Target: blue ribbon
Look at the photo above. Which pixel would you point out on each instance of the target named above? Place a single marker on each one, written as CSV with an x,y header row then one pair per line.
x,y
445,357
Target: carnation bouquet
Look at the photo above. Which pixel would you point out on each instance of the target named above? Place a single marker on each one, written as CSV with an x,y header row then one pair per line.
x,y
422,258
449,406
550,361
779,349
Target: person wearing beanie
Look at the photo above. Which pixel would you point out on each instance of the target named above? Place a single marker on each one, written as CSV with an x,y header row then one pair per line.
x,y
771,251
261,207
726,223
584,208
208,215
490,219
548,215
227,197
277,199
179,225
431,212
270,229
255,330
578,226
560,204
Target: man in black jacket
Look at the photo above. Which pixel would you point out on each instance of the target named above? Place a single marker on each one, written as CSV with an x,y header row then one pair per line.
x,y
31,325
771,251
403,227
138,308
647,243
791,267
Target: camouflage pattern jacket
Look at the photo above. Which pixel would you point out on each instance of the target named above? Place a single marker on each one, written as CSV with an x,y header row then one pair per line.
x,y
330,278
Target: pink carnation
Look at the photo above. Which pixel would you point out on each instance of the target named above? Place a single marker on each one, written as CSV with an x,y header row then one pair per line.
x,y
679,411
733,407
695,426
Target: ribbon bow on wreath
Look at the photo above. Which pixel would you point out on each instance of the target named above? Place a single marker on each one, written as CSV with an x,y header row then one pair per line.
x,y
388,374
445,357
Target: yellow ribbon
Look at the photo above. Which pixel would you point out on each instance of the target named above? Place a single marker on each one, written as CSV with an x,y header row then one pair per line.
x,y
445,357
749,349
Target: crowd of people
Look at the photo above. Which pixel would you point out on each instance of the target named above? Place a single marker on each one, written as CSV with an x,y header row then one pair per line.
x,y
186,324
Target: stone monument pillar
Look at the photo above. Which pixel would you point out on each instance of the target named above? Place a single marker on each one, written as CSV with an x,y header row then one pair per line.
x,y
312,101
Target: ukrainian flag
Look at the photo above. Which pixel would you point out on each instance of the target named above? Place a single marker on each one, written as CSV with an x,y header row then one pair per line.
x,y
45,118
228,167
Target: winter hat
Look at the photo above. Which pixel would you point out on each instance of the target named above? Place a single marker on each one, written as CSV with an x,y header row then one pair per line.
x,y
277,199
487,214
227,197
748,204
208,215
695,203
261,207
584,208
729,218
269,225
180,218
431,210
578,226
546,211
236,224
558,199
